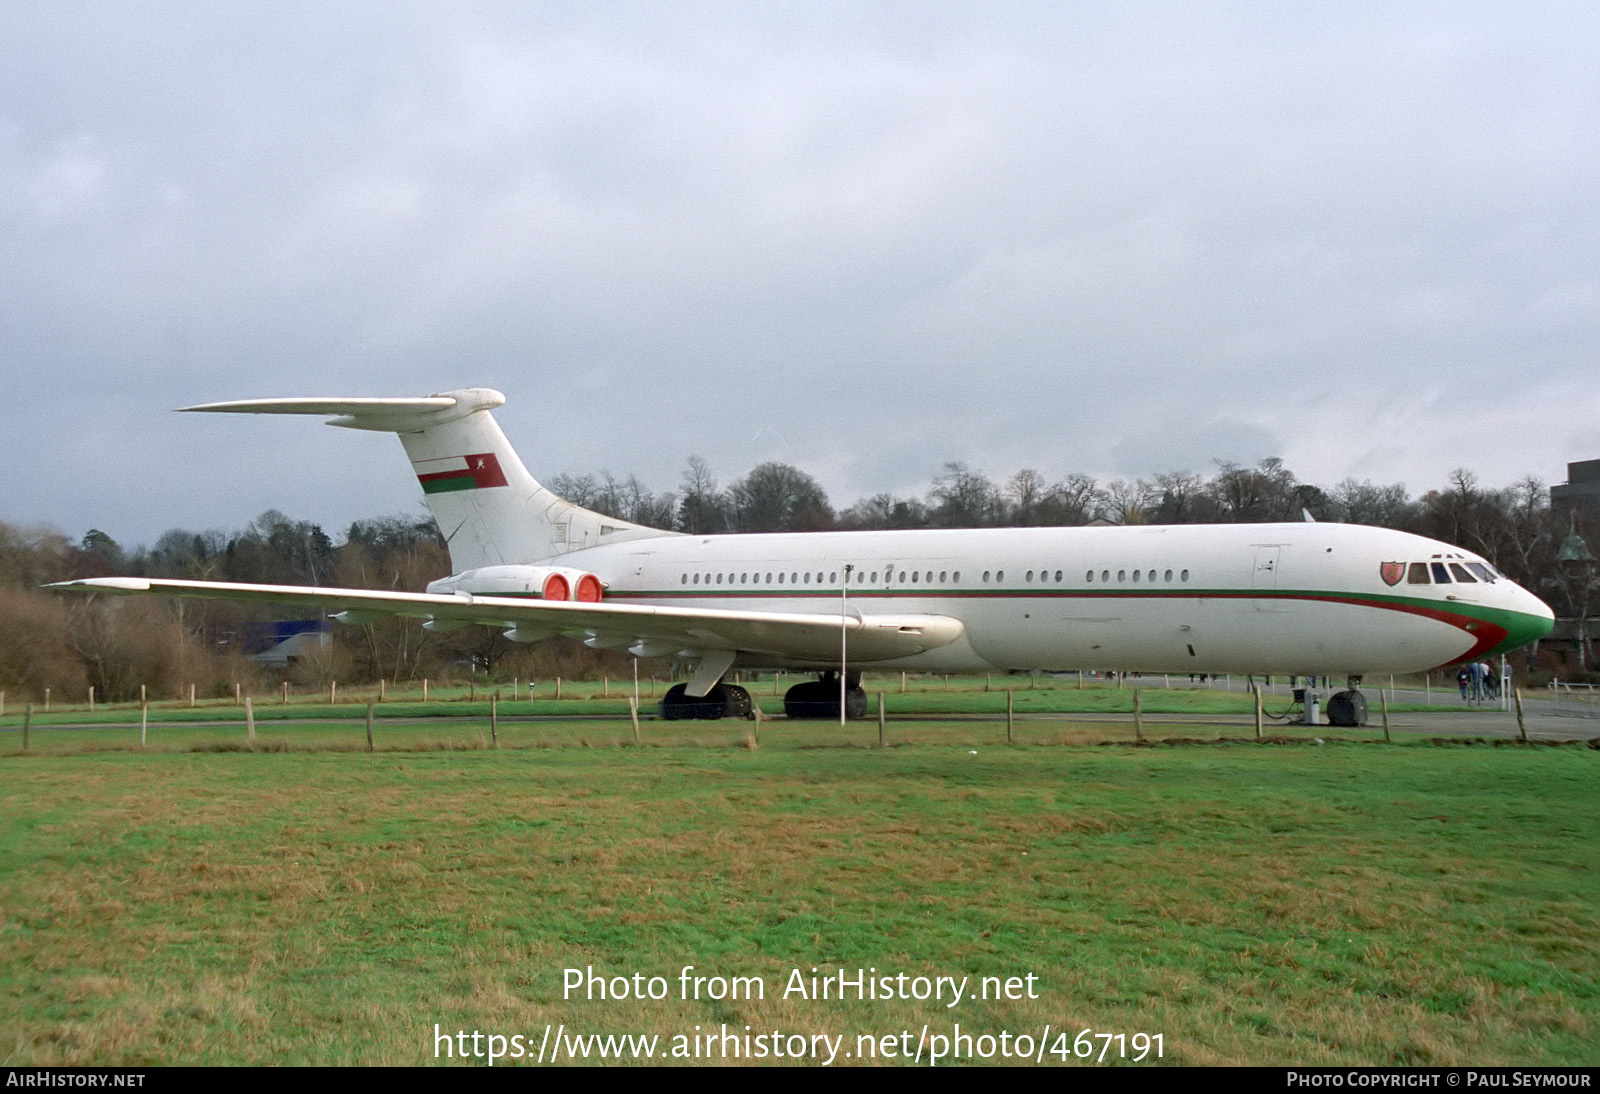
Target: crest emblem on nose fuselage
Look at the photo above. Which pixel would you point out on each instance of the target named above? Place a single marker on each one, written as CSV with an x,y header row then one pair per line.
x,y
1391,572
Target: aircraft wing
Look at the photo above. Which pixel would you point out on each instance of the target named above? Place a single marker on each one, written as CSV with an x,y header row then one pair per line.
x,y
787,638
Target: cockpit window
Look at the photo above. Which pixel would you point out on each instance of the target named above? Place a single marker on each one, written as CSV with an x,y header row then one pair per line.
x,y
1441,576
1485,572
1417,574
1461,574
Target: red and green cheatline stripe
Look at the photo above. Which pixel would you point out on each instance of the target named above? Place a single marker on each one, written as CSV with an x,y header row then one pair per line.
x,y
472,472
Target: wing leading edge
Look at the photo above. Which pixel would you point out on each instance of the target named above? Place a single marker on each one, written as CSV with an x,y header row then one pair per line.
x,y
783,638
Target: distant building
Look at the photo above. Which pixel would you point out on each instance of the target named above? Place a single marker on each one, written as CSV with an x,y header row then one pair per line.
x,y
1579,494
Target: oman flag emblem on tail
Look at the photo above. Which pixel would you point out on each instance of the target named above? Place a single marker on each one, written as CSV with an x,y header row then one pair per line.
x,y
474,472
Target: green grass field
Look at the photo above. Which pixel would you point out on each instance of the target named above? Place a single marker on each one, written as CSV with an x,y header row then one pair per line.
x,y
1289,903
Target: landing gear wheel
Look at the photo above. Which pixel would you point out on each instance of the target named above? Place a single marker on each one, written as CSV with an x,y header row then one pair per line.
x,y
739,703
820,699
1347,708
721,701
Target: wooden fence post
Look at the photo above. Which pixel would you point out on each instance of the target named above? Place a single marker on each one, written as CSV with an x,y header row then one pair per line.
x,y
144,720
1384,705
369,727
1138,714
1522,727
880,716
494,719
27,724
249,721
1011,737
633,714
1257,692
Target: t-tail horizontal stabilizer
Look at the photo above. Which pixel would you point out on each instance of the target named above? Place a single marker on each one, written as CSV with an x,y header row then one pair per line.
x,y
490,510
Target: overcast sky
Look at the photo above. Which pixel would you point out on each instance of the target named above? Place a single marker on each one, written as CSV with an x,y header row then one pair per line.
x,y
1119,238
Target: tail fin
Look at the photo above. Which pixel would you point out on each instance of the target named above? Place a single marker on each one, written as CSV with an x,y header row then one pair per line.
x,y
490,510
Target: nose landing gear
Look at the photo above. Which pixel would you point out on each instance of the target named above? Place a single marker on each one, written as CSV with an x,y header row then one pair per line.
x,y
1348,707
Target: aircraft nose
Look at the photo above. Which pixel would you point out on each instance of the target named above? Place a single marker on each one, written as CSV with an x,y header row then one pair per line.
x,y
1530,619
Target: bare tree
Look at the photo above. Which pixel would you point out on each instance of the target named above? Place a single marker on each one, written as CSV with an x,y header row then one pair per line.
x,y
1026,490
963,498
1074,500
702,508
776,497
1129,501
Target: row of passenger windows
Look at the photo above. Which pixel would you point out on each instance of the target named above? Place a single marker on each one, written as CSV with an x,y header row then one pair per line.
x,y
913,577
1442,573
1152,576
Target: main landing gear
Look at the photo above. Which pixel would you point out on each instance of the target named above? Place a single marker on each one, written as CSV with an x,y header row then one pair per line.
x,y
820,698
1348,707
722,701
812,699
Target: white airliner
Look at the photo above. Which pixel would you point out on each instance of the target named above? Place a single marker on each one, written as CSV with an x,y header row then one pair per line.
x,y
1300,598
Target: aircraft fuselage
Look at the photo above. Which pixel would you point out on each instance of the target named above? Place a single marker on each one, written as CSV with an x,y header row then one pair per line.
x,y
1284,598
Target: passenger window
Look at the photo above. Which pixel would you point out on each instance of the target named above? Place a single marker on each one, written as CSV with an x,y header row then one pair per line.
x,y
1105,575
1088,577
1058,577
1461,574
942,577
780,579
1169,575
914,576
1152,575
1417,574
956,576
1440,575
1184,576
999,575
986,575
1136,577
1122,575
1028,576
684,580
